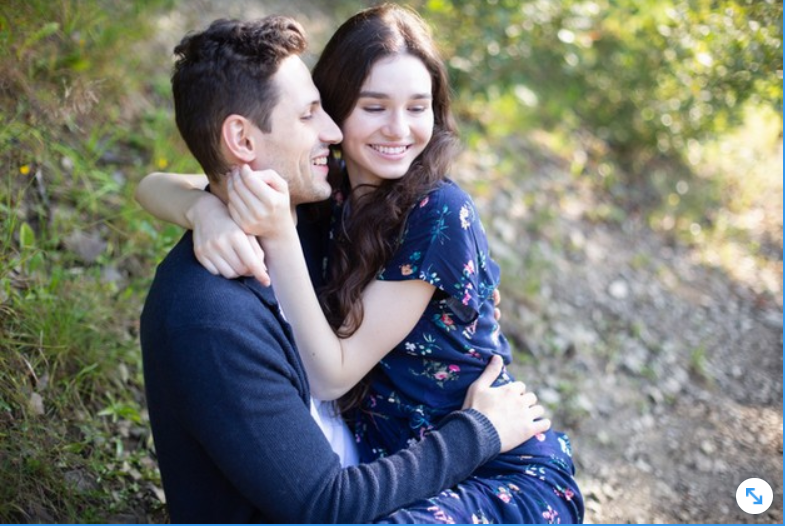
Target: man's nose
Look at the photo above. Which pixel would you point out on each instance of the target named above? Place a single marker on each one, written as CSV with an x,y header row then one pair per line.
x,y
330,133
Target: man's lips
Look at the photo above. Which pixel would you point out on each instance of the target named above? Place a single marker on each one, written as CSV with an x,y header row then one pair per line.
x,y
321,159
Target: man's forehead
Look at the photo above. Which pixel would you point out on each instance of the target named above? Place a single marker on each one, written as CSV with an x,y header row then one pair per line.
x,y
296,89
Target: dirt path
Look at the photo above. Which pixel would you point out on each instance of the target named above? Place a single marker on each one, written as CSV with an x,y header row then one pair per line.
x,y
660,436
667,375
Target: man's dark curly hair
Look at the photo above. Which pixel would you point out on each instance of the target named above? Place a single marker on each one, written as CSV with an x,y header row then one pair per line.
x,y
227,69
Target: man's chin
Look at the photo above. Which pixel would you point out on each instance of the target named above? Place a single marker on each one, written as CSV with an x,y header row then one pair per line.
x,y
318,193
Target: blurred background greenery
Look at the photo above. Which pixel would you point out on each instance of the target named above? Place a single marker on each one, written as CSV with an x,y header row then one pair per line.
x,y
667,110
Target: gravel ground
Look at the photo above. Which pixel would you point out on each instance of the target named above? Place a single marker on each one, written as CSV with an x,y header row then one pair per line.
x,y
668,375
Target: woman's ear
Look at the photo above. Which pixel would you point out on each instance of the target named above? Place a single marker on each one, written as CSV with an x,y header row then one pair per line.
x,y
237,134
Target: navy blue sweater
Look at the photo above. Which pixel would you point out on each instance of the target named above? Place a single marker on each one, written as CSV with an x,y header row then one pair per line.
x,y
229,409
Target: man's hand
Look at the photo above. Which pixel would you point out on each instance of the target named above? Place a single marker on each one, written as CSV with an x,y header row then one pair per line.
x,y
512,410
221,246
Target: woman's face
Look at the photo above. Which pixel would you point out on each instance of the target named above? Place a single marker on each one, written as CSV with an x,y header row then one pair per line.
x,y
391,123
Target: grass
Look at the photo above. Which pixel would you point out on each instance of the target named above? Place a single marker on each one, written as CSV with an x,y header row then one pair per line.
x,y
76,257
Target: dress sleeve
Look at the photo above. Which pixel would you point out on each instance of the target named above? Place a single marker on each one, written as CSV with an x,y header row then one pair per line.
x,y
445,245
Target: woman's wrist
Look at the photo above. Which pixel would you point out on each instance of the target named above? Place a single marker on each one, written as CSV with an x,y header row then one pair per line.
x,y
283,235
205,205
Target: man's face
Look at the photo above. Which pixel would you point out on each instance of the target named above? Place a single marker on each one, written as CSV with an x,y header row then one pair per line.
x,y
297,145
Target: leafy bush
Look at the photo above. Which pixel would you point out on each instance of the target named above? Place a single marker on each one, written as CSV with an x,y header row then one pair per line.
x,y
645,76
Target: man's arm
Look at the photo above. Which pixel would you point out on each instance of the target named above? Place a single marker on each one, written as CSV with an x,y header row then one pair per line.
x,y
239,394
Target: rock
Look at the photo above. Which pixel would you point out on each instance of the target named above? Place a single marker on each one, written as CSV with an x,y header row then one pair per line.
x,y
704,463
642,465
549,396
36,404
619,289
603,437
119,177
80,480
67,164
583,402
773,319
87,246
634,357
654,395
111,275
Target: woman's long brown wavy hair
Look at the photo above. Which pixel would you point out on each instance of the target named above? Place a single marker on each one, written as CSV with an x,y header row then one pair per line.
x,y
376,217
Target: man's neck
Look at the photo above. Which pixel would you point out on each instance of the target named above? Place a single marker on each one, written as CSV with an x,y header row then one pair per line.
x,y
219,190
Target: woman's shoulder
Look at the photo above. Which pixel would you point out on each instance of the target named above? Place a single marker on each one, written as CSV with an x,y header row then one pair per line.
x,y
447,194
449,189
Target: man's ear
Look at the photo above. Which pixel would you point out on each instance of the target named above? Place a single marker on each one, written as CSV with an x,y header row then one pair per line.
x,y
237,134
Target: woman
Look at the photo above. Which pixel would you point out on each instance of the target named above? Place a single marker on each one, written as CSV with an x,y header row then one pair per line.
x,y
408,270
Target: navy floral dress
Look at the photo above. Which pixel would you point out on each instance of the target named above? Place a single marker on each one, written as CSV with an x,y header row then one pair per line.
x,y
427,375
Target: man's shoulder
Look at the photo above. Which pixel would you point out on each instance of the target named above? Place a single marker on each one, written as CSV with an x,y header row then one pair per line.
x,y
194,315
184,291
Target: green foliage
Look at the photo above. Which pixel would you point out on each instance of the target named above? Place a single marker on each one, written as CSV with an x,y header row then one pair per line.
x,y
645,76
75,258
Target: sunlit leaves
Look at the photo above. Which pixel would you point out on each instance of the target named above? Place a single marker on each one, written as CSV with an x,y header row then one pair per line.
x,y
644,75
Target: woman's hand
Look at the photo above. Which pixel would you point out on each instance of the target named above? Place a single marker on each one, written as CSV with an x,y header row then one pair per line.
x,y
512,410
259,201
220,244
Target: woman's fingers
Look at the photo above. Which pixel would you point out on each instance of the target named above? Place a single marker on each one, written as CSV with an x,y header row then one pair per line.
x,y
206,263
262,182
241,203
253,257
258,200
225,269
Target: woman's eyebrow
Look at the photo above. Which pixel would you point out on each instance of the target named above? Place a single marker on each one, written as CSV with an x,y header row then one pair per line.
x,y
380,95
373,95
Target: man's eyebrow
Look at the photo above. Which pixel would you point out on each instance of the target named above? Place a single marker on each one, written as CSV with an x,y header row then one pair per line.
x,y
380,95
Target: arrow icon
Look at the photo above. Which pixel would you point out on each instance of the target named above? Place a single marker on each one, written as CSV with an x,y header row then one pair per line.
x,y
754,495
757,500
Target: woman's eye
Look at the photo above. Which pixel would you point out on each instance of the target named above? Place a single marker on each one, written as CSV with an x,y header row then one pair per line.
x,y
417,109
308,117
373,109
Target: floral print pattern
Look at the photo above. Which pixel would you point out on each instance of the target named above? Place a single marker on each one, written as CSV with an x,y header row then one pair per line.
x,y
457,334
426,376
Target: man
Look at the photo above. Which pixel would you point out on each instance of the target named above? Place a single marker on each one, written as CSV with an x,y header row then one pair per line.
x,y
227,394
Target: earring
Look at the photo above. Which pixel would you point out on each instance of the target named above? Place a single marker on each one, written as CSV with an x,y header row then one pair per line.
x,y
337,158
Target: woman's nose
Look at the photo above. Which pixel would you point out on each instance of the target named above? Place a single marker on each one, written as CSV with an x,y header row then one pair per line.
x,y
396,125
